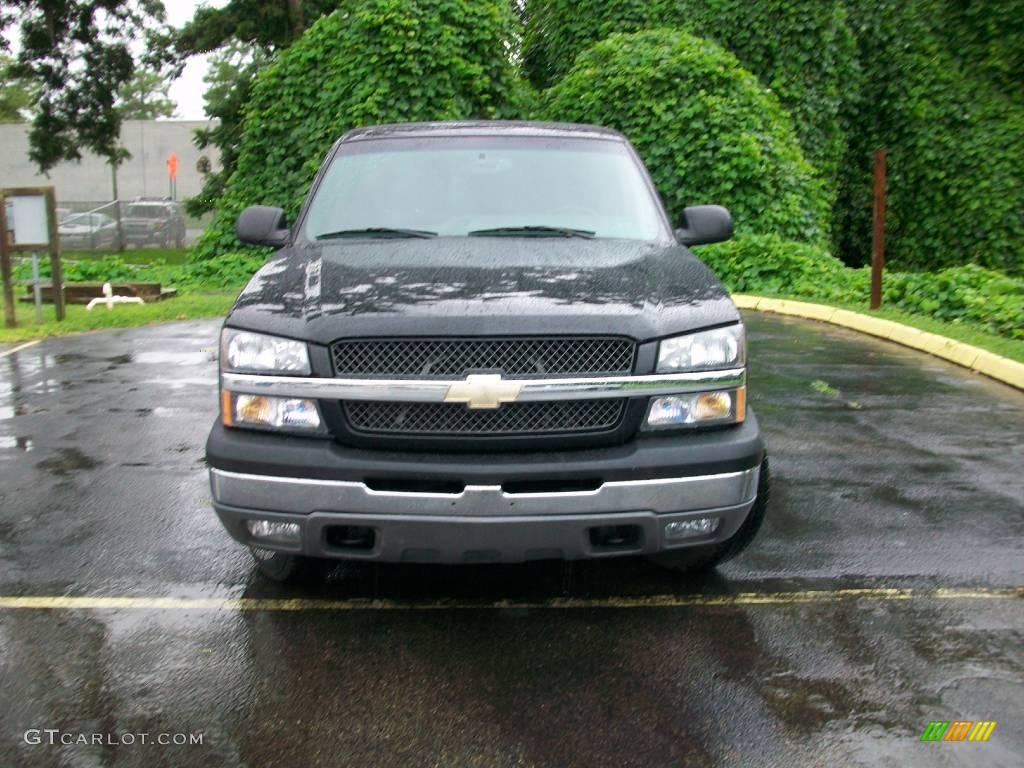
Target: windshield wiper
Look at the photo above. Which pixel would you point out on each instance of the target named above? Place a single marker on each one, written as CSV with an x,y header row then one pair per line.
x,y
376,232
532,231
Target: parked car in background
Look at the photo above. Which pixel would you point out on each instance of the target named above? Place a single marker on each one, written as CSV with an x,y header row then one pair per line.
x,y
87,230
154,221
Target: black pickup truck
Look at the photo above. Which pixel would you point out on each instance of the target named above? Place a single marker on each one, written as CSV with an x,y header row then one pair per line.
x,y
484,342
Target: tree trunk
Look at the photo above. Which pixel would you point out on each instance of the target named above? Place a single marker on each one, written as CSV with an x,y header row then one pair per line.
x,y
117,207
297,18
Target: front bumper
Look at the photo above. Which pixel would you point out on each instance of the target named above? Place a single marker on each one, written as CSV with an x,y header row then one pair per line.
x,y
640,487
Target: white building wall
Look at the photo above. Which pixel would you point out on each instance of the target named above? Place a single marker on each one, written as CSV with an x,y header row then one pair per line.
x,y
144,174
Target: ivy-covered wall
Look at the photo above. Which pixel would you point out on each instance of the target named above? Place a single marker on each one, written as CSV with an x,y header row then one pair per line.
x,y
939,83
954,133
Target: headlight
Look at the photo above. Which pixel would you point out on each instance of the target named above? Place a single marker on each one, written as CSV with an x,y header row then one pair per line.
x,y
247,352
263,412
703,351
698,409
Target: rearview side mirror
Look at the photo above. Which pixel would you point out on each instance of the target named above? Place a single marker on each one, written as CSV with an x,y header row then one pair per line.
x,y
704,224
263,225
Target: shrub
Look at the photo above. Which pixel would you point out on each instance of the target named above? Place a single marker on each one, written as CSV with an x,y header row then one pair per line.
x,y
375,61
706,128
971,293
802,49
108,269
228,270
767,264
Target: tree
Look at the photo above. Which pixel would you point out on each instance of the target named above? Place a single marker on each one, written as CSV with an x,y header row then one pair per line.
x,y
16,94
245,34
269,24
229,82
144,97
78,53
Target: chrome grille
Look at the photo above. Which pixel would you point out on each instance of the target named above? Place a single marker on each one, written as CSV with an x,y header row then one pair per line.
x,y
513,357
440,419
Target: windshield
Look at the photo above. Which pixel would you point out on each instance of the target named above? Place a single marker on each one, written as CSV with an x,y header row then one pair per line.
x,y
475,185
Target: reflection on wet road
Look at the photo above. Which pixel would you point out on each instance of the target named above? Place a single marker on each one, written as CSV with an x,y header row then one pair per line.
x,y
883,593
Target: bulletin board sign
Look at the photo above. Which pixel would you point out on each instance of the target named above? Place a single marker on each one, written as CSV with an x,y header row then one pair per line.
x,y
27,221
28,224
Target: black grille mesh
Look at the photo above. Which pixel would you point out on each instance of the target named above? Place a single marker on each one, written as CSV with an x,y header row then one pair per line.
x,y
509,419
513,357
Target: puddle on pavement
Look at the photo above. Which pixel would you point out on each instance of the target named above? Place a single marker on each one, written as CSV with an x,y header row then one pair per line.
x,y
67,460
16,443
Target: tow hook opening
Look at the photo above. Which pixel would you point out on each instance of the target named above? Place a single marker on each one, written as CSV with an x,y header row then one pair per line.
x,y
615,538
357,537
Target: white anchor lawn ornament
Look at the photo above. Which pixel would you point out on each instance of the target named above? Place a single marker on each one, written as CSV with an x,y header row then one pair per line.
x,y
110,300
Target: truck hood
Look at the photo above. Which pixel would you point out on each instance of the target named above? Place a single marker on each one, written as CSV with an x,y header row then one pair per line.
x,y
455,286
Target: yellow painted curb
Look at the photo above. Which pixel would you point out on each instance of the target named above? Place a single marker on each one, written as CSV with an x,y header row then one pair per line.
x,y
994,366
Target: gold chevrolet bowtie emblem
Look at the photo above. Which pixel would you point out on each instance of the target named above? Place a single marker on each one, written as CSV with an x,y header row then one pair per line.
x,y
483,391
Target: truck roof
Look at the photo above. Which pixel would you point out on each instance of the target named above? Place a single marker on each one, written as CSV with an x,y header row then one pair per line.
x,y
483,128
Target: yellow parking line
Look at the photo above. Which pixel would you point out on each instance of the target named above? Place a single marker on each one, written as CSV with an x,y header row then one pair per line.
x,y
362,604
18,348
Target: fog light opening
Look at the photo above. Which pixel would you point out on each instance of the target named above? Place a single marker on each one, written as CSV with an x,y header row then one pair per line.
x,y
272,532
351,537
615,537
692,528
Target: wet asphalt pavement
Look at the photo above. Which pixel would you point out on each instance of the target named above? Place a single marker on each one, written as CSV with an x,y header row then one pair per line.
x,y
896,475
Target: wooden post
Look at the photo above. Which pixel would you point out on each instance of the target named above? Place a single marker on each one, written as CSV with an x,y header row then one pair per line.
x,y
7,248
878,230
5,267
56,274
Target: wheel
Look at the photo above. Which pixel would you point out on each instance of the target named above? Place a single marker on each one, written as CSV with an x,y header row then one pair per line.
x,y
279,566
696,559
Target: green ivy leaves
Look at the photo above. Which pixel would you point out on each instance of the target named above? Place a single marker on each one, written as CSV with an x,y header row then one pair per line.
x,y
768,264
707,129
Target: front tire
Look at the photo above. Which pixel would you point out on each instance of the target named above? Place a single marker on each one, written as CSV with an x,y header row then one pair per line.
x,y
698,559
280,567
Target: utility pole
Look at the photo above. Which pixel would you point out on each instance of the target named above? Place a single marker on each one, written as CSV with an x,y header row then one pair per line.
x,y
878,230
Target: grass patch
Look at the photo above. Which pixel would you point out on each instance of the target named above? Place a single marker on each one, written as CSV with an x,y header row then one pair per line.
x,y
824,388
188,306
